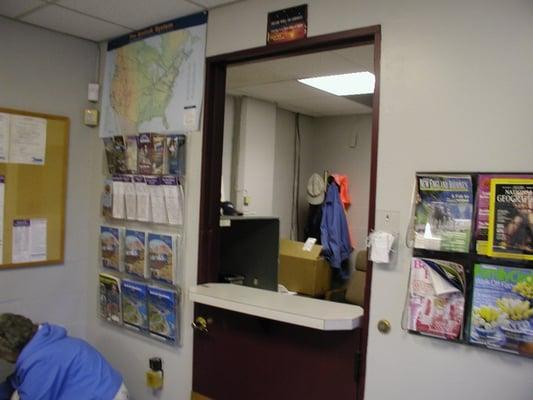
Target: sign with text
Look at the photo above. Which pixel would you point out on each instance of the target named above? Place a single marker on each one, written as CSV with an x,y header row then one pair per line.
x,y
287,25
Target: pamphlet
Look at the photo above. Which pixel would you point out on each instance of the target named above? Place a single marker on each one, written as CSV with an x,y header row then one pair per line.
x,y
115,150
482,208
162,310
2,192
511,219
436,298
135,304
143,199
157,156
173,199
5,123
110,298
110,247
27,143
144,154
131,154
135,253
162,255
130,197
502,309
119,210
157,199
176,155
107,199
443,215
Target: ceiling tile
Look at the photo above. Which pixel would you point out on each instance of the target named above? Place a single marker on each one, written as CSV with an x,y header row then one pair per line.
x,y
135,14
14,8
213,3
73,23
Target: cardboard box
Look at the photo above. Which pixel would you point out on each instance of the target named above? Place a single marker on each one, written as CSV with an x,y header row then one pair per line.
x,y
302,271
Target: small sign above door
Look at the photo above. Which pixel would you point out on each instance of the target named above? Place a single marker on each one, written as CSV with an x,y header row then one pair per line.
x,y
287,24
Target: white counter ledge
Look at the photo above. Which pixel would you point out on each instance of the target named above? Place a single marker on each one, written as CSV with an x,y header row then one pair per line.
x,y
296,310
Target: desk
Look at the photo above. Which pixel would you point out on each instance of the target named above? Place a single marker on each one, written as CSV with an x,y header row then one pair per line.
x,y
295,310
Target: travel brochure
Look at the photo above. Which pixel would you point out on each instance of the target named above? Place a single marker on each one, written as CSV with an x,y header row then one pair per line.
x,y
436,298
135,304
135,253
443,213
110,309
111,247
146,154
162,306
162,254
502,308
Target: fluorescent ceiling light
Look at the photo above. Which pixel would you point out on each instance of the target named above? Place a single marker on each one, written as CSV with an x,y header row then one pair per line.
x,y
344,84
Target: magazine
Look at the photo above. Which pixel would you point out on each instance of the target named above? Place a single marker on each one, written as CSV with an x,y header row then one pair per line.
x,y
443,214
135,253
482,209
109,298
176,155
131,154
162,309
110,247
157,156
144,151
436,298
502,308
511,219
115,151
135,304
162,257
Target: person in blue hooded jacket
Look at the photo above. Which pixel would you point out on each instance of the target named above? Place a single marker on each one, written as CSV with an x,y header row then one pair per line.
x,y
50,365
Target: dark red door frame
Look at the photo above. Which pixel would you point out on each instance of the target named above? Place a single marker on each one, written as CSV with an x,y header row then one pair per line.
x,y
213,132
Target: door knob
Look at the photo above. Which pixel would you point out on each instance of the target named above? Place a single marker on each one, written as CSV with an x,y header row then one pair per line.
x,y
200,324
384,326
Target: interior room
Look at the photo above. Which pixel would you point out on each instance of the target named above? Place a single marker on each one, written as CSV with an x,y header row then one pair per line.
x,y
149,265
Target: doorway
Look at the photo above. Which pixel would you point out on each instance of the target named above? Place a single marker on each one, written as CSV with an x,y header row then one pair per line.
x,y
212,166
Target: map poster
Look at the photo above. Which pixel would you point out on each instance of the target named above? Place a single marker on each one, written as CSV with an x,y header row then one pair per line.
x,y
511,219
153,78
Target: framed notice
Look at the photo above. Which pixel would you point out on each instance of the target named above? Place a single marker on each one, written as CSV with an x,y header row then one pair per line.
x,y
287,24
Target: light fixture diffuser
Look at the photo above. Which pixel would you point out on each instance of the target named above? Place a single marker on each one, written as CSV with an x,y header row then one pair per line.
x,y
343,84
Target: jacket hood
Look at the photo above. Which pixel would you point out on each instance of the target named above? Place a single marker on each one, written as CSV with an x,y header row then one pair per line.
x,y
46,335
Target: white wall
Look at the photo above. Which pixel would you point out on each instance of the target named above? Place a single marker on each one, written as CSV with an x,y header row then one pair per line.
x,y
47,72
456,90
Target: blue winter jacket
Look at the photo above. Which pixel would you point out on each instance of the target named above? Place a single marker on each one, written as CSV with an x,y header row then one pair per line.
x,y
54,366
335,237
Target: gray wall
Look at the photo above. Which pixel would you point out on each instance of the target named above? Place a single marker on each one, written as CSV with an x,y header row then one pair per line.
x,y
47,72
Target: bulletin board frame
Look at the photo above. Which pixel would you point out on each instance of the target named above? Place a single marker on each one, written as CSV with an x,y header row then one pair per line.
x,y
38,191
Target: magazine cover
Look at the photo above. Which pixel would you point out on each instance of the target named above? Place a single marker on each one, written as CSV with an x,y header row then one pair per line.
x,y
110,298
115,151
162,257
483,205
157,157
144,151
162,309
435,301
131,154
110,247
135,304
135,253
502,308
511,219
443,214
176,155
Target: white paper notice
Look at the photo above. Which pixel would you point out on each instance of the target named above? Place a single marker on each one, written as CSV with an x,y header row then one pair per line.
x,y
173,200
118,198
143,199
28,140
4,137
2,182
130,198
38,239
157,198
29,240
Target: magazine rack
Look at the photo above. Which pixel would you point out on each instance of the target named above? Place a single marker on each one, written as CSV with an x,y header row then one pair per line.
x,y
38,192
522,339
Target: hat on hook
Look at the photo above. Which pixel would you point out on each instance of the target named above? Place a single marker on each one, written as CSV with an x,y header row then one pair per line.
x,y
316,189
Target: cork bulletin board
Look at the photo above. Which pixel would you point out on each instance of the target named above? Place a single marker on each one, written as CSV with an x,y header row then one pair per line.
x,y
35,190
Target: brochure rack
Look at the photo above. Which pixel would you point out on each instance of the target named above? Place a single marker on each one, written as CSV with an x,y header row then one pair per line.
x,y
498,290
